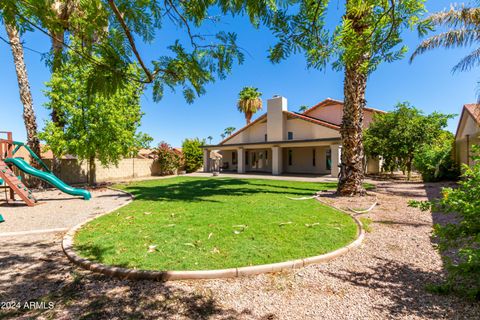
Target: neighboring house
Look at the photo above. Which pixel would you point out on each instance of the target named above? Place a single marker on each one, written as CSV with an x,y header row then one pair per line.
x,y
468,133
282,141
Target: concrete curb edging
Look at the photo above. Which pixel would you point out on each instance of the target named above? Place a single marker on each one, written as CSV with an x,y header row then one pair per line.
x,y
135,274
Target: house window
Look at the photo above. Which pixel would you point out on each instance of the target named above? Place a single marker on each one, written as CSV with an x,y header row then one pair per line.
x,y
290,156
265,137
254,158
246,157
328,157
290,135
314,160
234,157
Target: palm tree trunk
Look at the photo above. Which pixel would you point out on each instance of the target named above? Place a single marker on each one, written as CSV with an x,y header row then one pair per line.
x,y
25,93
351,173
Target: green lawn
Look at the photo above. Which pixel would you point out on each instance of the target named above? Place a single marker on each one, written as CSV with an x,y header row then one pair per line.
x,y
188,223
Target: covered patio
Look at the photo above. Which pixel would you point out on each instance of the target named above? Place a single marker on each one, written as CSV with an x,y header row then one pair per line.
x,y
314,157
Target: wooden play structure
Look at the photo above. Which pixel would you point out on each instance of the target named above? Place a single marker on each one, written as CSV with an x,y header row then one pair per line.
x,y
8,148
9,178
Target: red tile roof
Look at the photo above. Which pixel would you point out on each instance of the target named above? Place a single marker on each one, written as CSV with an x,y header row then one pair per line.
x,y
313,120
474,110
330,101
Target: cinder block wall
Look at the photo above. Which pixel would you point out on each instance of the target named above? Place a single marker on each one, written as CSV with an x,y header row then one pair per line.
x,y
74,171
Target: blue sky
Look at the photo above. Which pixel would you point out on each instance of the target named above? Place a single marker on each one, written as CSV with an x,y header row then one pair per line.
x,y
428,84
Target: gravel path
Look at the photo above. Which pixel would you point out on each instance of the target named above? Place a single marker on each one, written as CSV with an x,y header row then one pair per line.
x,y
383,279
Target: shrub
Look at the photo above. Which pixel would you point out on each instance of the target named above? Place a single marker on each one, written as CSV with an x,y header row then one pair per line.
x,y
462,237
435,161
169,159
192,154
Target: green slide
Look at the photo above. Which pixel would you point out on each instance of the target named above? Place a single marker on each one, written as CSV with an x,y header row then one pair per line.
x,y
48,177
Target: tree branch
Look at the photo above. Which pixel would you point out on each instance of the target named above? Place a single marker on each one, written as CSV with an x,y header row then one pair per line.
x,y
119,16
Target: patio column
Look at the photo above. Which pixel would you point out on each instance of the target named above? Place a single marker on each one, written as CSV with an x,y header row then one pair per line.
x,y
335,152
241,160
205,160
277,165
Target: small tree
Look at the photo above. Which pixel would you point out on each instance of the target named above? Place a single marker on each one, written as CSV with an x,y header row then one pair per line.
x,y
169,159
95,127
249,102
397,136
192,154
462,237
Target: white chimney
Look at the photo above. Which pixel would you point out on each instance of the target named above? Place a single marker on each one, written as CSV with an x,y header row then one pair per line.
x,y
275,118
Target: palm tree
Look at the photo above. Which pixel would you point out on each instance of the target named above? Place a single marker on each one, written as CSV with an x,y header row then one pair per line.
x,y
228,131
463,25
249,102
24,88
302,109
210,138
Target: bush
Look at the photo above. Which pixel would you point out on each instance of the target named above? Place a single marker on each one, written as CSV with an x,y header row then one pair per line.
x,y
435,161
462,237
193,154
169,159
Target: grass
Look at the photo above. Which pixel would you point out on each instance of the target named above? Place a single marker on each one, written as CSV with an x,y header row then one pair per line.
x,y
185,223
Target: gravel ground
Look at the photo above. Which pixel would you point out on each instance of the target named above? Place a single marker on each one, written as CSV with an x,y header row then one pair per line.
x,y
383,279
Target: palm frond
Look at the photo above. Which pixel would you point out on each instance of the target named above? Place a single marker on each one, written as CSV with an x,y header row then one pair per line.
x,y
450,39
456,17
468,62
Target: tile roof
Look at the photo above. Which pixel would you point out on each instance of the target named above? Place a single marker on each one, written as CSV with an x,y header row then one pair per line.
x,y
330,101
474,110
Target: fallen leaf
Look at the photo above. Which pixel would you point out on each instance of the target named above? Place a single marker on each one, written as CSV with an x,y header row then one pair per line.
x,y
210,235
285,223
147,213
152,248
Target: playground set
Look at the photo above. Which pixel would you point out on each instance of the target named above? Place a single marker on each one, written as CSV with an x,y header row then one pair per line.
x,y
11,181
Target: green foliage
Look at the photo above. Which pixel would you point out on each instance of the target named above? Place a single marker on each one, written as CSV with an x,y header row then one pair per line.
x,y
369,33
109,32
399,135
192,154
169,159
249,102
228,131
94,126
462,237
435,161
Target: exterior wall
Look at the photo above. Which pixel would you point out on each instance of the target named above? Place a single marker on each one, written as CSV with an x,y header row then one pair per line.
x,y
373,165
227,160
302,160
333,113
305,130
467,126
255,133
73,171
259,160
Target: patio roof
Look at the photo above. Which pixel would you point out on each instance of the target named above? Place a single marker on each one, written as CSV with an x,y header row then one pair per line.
x,y
271,143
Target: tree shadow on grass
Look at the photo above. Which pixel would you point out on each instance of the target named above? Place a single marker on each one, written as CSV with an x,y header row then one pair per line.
x,y
204,189
404,287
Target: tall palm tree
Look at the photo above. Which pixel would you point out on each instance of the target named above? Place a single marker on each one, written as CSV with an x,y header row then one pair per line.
x,y
210,138
228,131
249,102
24,87
303,108
463,29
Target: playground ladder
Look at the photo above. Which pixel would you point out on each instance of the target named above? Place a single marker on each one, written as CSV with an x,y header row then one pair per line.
x,y
16,185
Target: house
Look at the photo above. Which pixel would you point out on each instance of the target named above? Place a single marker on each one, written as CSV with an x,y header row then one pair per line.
x,y
468,132
281,141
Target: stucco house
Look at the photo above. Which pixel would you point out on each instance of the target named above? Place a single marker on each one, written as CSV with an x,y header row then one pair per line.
x,y
468,133
282,141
